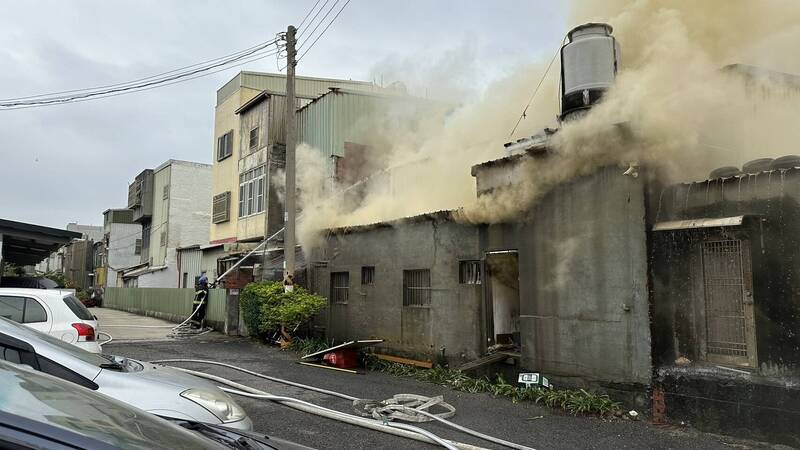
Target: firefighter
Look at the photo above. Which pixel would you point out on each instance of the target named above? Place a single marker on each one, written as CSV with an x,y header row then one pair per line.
x,y
200,302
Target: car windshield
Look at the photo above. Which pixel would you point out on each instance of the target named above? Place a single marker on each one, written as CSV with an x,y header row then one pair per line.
x,y
62,404
77,308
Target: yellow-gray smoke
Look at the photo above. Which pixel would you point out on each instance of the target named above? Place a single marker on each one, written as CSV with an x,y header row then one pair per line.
x,y
685,115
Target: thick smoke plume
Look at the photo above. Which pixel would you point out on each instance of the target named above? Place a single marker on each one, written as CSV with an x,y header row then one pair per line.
x,y
682,112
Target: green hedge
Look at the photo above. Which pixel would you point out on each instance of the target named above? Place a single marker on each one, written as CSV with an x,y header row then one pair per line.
x,y
265,306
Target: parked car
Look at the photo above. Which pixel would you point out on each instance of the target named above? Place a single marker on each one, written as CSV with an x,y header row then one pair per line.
x,y
55,312
29,282
42,411
159,390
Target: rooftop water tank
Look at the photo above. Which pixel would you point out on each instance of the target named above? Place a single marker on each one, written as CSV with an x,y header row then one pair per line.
x,y
589,63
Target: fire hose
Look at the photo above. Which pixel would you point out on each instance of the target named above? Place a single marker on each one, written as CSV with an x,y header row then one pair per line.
x,y
408,407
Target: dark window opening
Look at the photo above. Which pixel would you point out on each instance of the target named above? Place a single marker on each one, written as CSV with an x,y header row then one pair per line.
x,y
368,275
253,138
340,287
225,145
469,272
417,287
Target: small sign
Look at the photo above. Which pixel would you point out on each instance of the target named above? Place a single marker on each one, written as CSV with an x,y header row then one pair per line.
x,y
234,292
533,379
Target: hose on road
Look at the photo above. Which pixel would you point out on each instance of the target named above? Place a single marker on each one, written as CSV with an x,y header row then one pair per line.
x,y
392,408
300,405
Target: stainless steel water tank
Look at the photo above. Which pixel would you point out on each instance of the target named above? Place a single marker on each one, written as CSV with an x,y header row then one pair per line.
x,y
589,63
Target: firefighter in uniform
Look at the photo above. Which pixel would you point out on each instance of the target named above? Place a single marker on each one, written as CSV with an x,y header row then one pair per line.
x,y
200,302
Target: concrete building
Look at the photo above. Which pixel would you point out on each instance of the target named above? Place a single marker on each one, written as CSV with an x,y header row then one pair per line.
x,y
230,139
411,295
122,245
173,205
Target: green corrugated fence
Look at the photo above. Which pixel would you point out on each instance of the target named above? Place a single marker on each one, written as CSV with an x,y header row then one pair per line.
x,y
171,304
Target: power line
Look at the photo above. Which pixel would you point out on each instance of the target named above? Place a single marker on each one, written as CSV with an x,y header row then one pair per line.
x,y
323,31
544,75
260,45
241,60
308,14
313,19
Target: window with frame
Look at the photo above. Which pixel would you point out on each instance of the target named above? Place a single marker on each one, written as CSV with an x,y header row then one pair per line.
x,y
165,194
137,247
469,272
367,275
340,287
417,288
252,185
225,145
22,309
253,141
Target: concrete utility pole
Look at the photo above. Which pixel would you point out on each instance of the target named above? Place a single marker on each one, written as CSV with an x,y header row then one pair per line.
x,y
291,212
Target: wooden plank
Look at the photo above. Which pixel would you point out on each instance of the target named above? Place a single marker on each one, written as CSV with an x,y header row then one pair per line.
x,y
349,344
327,367
411,362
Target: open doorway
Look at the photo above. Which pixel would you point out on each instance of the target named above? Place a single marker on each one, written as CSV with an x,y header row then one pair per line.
x,y
502,294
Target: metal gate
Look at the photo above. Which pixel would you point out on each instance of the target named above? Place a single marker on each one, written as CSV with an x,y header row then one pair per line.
x,y
730,330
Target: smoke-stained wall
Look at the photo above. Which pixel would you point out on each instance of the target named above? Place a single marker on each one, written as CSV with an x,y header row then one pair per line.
x,y
452,321
583,274
772,202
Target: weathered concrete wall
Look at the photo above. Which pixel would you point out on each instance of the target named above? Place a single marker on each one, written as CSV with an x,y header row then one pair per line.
x,y
190,204
121,249
452,321
772,200
583,277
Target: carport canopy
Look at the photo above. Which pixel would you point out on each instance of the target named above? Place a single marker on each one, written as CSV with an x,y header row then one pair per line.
x,y
25,244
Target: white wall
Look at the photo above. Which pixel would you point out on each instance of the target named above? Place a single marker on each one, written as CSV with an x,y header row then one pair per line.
x,y
189,204
121,248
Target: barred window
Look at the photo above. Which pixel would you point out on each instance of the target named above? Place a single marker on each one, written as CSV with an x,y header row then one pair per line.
x,y
368,275
340,287
469,272
137,248
417,287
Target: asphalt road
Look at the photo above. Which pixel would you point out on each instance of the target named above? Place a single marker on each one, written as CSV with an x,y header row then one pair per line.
x,y
529,424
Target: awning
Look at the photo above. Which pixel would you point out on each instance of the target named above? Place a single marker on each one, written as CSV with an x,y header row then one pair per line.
x,y
687,224
142,271
25,243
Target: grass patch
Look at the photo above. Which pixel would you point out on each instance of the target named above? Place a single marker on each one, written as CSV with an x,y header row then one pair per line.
x,y
573,401
307,346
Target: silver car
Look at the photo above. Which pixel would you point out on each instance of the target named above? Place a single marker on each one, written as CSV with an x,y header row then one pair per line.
x,y
156,389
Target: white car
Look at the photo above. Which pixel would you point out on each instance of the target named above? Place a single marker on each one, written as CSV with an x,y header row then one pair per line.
x,y
55,312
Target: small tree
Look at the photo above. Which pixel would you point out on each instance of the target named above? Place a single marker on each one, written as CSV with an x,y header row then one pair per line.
x,y
266,307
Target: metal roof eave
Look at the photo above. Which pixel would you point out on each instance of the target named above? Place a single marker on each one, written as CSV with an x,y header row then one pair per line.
x,y
687,224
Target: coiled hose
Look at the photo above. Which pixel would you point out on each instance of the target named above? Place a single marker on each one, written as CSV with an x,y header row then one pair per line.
x,y
343,396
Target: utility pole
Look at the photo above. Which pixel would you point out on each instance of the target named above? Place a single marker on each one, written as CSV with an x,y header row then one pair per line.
x,y
291,135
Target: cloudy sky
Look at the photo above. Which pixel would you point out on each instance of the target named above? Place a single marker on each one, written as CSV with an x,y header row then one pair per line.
x,y
68,163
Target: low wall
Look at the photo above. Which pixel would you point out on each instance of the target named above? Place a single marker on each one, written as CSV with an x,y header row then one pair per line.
x,y
171,304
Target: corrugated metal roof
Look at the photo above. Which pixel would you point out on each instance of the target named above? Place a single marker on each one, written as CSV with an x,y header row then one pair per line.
x,y
264,94
447,215
304,86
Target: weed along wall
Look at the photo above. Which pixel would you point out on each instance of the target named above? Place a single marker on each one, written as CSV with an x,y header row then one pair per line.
x,y
399,281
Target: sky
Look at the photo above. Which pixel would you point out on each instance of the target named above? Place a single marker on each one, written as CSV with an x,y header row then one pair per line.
x,y
69,163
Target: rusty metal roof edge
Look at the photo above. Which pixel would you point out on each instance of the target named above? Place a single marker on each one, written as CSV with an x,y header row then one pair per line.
x,y
434,216
706,222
